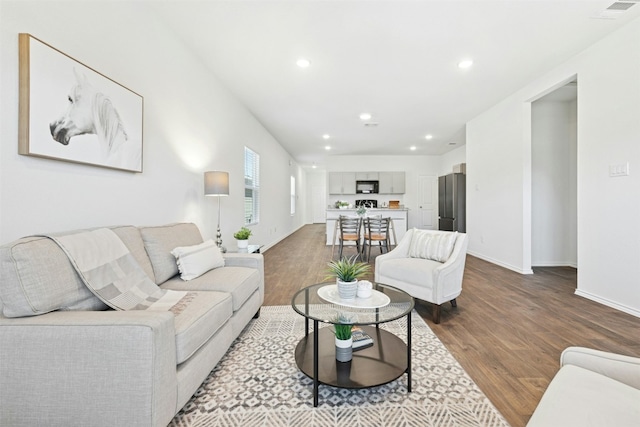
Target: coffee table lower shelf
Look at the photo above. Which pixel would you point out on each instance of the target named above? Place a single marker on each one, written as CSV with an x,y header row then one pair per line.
x,y
379,364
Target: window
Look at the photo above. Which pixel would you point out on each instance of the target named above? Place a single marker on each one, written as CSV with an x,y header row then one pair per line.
x,y
293,195
251,187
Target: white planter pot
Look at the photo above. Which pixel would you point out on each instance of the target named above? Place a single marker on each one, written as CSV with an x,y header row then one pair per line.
x,y
347,290
243,244
344,350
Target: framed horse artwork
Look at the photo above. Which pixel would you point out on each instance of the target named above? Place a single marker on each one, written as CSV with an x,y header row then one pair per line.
x,y
70,112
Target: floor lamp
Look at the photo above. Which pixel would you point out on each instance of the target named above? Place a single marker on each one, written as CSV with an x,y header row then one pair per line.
x,y
216,183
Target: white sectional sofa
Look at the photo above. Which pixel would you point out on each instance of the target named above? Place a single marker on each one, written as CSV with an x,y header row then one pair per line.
x,y
592,388
66,359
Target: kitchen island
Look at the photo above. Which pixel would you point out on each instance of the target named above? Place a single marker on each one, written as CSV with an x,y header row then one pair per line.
x,y
398,217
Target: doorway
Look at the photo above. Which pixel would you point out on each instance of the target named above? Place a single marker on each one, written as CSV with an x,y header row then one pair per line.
x,y
554,209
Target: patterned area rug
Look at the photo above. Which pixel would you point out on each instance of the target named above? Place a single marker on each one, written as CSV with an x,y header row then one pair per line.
x,y
258,383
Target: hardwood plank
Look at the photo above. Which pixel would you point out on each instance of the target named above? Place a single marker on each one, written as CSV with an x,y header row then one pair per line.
x,y
508,330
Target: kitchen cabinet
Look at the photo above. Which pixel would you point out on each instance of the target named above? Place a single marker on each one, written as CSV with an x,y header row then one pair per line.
x,y
342,183
367,176
391,183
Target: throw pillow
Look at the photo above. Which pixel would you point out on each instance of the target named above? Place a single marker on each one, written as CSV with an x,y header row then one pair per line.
x,y
194,261
433,246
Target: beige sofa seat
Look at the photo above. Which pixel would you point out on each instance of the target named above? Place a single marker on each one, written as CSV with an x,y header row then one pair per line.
x,y
239,282
592,388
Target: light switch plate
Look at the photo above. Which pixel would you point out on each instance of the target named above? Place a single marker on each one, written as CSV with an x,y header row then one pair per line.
x,y
619,170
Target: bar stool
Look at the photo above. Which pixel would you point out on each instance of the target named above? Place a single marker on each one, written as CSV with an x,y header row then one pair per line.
x,y
376,230
349,232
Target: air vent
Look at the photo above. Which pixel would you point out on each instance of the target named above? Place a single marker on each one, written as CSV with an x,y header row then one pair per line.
x,y
615,10
620,6
371,125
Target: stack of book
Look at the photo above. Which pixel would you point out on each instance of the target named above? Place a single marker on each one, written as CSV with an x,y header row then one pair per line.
x,y
360,338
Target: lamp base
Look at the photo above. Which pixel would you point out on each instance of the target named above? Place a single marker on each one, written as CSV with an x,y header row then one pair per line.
x,y
219,241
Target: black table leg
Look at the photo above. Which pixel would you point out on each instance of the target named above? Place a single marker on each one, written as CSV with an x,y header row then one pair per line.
x,y
316,383
409,352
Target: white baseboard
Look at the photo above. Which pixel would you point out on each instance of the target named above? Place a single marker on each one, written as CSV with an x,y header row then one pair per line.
x,y
501,264
608,303
555,264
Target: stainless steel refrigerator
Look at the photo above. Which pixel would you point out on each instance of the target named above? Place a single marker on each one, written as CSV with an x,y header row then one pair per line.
x,y
451,202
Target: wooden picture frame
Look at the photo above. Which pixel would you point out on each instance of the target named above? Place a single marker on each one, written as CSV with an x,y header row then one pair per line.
x,y
70,112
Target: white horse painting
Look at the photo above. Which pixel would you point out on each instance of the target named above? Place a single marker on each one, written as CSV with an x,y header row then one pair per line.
x,y
91,112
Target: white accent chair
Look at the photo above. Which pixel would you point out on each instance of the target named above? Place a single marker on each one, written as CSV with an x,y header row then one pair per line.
x,y
592,388
432,281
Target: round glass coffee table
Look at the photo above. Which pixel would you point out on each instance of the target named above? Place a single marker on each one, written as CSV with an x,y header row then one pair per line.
x,y
388,358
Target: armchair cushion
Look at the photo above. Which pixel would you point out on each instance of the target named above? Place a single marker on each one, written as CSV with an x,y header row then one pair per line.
x,y
194,261
433,246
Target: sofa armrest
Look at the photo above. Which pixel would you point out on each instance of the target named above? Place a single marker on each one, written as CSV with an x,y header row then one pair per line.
x,y
625,369
88,368
449,275
247,260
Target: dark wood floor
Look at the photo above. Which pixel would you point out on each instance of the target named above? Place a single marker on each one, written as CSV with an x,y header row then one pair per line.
x,y
508,330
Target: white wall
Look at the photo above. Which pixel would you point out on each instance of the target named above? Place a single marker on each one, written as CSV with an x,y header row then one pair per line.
x,y
554,192
452,158
191,124
499,171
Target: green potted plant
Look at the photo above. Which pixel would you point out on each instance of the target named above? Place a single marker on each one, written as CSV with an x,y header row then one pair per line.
x,y
242,236
347,271
344,342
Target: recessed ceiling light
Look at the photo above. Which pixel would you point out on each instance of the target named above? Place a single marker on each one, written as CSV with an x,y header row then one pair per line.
x,y
326,136
466,63
314,166
303,63
428,137
327,147
365,116
413,148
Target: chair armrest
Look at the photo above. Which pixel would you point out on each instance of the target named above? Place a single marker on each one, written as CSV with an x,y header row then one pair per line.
x,y
449,275
120,365
625,369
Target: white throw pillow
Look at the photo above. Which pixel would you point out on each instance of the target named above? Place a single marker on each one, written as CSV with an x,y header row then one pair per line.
x,y
433,246
194,261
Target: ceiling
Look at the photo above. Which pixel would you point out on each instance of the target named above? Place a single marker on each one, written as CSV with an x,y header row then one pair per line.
x,y
396,60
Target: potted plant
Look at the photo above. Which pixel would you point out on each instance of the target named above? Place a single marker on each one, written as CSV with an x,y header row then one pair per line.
x,y
242,236
347,271
344,342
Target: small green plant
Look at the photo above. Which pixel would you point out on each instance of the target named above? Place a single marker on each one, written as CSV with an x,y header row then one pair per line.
x,y
340,203
342,330
347,269
361,210
242,234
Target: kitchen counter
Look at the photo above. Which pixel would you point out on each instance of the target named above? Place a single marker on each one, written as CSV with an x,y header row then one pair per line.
x,y
397,215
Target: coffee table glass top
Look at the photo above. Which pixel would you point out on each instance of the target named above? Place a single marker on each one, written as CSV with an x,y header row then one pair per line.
x,y
308,303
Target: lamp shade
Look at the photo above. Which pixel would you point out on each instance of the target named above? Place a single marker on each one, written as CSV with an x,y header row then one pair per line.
x,y
216,183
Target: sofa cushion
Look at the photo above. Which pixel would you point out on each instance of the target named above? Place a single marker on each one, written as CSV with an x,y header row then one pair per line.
x,y
240,282
434,246
194,261
580,397
199,319
160,241
132,239
36,277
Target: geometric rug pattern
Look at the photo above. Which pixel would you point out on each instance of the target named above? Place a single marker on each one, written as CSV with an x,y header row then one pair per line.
x,y
257,383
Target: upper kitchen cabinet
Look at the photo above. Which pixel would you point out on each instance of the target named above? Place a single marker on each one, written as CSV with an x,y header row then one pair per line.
x,y
367,176
342,183
391,182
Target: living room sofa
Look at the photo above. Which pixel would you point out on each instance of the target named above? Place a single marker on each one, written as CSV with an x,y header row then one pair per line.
x,y
592,388
67,359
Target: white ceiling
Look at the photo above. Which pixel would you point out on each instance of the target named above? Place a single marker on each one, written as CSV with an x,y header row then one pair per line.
x,y
394,59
